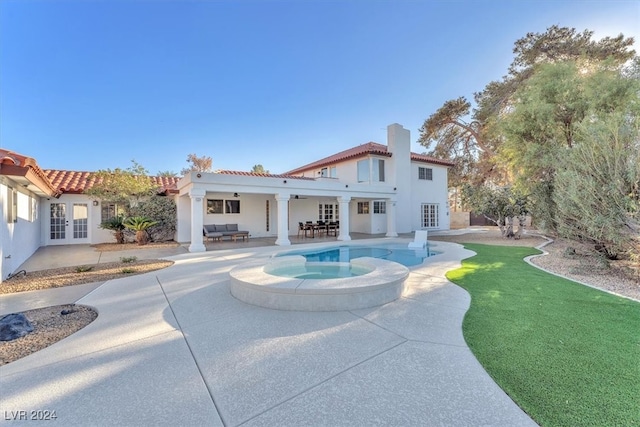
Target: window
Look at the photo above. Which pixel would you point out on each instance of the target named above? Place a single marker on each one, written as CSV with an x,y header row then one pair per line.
x,y
363,170
425,173
324,172
12,202
214,206
327,212
378,170
80,220
109,210
379,207
33,209
363,207
232,206
333,172
430,215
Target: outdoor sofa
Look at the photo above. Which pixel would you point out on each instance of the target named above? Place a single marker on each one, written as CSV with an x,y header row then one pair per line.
x,y
218,231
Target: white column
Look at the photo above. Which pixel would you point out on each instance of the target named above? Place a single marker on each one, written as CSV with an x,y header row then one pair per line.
x,y
197,213
391,218
344,217
283,220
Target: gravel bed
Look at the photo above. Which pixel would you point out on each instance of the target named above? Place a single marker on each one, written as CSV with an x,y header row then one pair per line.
x,y
49,326
578,262
66,276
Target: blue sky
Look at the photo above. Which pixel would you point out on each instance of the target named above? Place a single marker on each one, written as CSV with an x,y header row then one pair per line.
x,y
88,85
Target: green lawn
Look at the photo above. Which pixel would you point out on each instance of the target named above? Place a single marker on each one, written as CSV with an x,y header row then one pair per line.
x,y
567,354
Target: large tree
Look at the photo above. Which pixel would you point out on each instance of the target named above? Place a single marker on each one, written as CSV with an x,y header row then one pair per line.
x,y
197,164
467,135
540,129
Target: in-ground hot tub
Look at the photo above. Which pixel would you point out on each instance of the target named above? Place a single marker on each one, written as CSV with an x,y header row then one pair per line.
x,y
362,283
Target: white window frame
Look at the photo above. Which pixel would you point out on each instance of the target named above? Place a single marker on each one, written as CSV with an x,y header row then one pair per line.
x,y
430,215
363,170
379,207
377,166
363,208
425,173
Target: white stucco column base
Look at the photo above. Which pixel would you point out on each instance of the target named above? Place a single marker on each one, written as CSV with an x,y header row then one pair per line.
x,y
391,219
344,218
197,214
283,220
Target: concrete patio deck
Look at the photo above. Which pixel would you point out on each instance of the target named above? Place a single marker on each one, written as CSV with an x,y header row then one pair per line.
x,y
173,347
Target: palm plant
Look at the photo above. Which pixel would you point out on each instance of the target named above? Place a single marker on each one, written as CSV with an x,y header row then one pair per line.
x,y
115,224
140,224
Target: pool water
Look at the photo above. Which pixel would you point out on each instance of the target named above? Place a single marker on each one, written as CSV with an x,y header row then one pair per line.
x,y
393,252
315,271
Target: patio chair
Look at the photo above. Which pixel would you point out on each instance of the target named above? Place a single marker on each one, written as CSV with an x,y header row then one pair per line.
x,y
304,228
321,227
419,240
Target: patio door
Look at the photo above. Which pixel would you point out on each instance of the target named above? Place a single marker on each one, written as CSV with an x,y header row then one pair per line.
x,y
68,223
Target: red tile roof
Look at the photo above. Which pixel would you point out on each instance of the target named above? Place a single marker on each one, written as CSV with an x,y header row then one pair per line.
x,y
362,151
77,182
15,163
264,175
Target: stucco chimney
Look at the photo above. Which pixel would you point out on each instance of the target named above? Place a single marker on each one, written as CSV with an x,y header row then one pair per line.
x,y
399,145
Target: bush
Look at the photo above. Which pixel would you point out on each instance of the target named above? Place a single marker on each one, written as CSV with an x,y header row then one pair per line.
x,y
597,193
162,210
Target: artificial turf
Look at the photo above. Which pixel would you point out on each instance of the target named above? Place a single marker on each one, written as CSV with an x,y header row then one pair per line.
x,y
567,354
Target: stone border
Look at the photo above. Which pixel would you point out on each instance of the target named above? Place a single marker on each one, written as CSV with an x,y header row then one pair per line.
x,y
251,284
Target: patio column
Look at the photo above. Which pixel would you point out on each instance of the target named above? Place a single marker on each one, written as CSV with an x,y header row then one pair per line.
x,y
344,217
197,213
391,218
283,220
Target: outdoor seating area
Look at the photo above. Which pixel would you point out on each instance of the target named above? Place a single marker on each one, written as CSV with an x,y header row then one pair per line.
x,y
310,229
218,231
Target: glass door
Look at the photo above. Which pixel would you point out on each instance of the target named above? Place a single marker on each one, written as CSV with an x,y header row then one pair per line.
x,y
68,223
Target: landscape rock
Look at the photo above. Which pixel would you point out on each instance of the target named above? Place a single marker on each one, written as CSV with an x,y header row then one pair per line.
x,y
14,326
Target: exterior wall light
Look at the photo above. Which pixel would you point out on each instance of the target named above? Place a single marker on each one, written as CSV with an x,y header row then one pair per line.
x,y
96,203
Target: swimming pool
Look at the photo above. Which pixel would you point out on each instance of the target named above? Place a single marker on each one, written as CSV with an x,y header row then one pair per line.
x,y
390,251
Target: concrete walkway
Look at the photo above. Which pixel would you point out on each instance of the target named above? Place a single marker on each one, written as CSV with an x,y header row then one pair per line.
x,y
173,347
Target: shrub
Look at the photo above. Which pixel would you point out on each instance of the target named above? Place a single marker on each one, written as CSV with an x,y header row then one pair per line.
x,y
128,259
162,210
140,224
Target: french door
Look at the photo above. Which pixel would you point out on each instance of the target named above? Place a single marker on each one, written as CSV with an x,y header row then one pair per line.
x,y
68,223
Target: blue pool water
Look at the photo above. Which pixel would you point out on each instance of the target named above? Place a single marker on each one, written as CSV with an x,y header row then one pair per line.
x,y
393,252
320,271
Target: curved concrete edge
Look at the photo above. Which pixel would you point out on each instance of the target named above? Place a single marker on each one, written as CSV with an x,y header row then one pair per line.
x,y
545,253
385,283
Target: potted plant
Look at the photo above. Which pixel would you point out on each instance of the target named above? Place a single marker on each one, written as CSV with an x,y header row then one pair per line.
x,y
140,224
115,224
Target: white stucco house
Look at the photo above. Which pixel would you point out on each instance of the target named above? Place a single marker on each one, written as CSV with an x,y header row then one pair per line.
x,y
371,188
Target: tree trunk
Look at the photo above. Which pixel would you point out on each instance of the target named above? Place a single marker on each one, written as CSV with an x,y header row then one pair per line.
x,y
141,237
521,222
119,235
509,232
